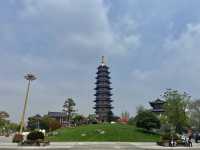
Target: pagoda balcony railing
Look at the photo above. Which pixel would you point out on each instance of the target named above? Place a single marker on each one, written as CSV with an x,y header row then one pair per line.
x,y
102,112
101,100
103,87
98,93
103,84
106,93
103,107
103,92
104,97
103,76
103,71
102,80
103,67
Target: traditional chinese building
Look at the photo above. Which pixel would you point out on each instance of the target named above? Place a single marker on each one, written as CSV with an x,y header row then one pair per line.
x,y
157,106
103,107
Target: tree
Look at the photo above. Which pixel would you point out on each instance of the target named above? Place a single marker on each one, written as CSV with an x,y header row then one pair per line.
x,y
176,109
92,119
147,120
79,119
49,124
34,122
194,112
110,116
6,126
131,121
68,107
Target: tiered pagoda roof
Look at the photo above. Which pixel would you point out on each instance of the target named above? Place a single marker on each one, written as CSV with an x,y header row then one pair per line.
x,y
103,107
157,105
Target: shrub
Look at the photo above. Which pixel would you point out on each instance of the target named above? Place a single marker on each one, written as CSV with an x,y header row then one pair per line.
x,y
49,124
35,135
147,120
131,121
17,138
169,136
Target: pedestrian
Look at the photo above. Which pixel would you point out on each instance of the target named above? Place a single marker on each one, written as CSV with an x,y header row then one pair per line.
x,y
196,137
190,141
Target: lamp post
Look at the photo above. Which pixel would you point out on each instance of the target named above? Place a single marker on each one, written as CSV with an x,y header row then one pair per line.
x,y
29,77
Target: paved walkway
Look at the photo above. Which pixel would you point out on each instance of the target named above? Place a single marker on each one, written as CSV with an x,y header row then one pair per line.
x,y
95,146
4,139
154,146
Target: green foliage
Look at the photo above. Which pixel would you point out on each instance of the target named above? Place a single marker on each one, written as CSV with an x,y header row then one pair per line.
x,y
92,119
175,109
168,136
68,107
194,109
45,122
165,128
6,127
104,132
79,119
131,121
3,121
35,135
147,120
110,116
34,122
49,124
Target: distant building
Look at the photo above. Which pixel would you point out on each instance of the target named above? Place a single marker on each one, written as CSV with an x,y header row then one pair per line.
x,y
59,116
157,106
103,108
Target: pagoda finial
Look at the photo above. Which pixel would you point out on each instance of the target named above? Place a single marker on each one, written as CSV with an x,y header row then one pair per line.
x,y
103,60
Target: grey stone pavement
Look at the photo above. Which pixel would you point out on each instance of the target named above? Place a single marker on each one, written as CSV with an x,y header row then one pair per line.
x,y
5,144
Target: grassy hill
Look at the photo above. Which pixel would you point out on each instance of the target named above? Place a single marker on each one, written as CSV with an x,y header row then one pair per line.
x,y
104,132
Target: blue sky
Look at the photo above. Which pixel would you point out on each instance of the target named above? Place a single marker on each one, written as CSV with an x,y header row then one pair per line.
x,y
149,46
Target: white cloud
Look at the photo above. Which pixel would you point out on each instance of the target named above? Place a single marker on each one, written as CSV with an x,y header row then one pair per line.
x,y
180,67
59,41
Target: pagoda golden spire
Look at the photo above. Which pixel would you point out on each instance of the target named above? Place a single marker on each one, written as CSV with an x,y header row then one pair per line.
x,y
103,60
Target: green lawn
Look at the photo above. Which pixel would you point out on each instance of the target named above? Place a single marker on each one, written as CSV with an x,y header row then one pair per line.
x,y
104,132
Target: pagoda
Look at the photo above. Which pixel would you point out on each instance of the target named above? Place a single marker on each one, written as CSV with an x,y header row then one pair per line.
x,y
103,108
157,106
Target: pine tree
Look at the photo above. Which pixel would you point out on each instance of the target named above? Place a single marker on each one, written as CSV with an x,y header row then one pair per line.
x,y
68,108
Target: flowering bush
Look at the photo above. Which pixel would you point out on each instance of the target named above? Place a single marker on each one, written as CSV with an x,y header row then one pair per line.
x,y
18,138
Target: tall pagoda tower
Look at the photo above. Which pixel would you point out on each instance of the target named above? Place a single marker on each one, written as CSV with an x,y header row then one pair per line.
x,y
103,108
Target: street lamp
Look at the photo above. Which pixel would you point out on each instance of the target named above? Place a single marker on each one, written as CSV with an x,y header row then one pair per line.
x,y
30,77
